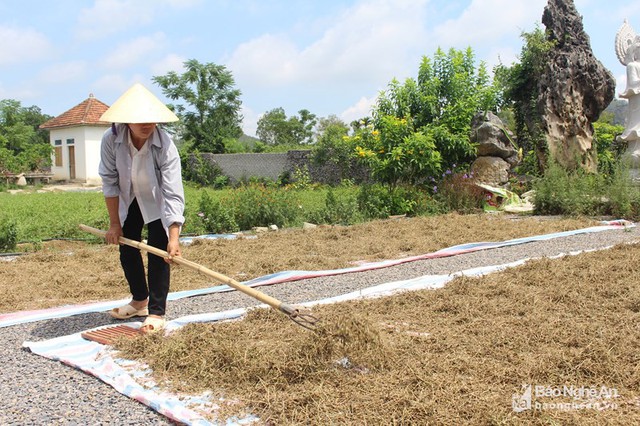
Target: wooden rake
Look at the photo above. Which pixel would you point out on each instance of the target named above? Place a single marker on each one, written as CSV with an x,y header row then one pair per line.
x,y
301,317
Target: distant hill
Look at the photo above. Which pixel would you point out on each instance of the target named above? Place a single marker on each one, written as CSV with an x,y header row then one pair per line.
x,y
248,141
619,109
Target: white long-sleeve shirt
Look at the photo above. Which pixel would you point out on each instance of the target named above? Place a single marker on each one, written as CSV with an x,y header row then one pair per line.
x,y
141,184
153,176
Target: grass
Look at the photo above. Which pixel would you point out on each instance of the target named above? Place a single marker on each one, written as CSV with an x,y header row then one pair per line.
x,y
56,215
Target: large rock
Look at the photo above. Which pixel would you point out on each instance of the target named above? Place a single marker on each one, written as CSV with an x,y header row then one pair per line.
x,y
21,181
496,154
491,170
493,138
574,89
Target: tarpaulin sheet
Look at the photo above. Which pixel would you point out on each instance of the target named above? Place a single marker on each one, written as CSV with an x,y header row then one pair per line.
x,y
133,379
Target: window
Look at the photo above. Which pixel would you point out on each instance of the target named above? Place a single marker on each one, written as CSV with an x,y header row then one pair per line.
x,y
70,141
57,151
57,142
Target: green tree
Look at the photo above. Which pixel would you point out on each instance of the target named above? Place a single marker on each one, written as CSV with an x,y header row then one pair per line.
x,y
442,101
395,153
275,128
210,111
520,81
609,150
333,144
307,124
23,145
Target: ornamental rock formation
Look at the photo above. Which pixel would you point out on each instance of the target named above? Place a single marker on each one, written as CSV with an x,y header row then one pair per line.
x,y
496,152
573,90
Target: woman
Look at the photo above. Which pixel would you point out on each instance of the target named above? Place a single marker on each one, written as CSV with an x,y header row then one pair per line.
x,y
142,184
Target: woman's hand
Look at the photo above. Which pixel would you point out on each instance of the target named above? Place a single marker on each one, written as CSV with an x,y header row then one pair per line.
x,y
113,234
173,249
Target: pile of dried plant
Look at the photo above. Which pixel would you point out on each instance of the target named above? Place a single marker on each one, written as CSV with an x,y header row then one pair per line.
x,y
451,356
68,273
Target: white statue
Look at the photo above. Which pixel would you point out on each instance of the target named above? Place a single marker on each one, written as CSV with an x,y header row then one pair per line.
x,y
627,46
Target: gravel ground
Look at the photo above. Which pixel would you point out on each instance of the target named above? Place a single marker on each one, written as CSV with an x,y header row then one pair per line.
x,y
38,391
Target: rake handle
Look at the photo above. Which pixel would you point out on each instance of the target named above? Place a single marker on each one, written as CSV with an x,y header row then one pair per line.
x,y
264,298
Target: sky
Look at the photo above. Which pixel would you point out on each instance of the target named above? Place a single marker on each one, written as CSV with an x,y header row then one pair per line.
x,y
331,57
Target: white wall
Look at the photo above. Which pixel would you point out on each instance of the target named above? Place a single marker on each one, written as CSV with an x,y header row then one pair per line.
x,y
91,154
87,152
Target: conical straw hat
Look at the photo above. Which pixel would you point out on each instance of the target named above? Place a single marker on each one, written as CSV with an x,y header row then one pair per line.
x,y
138,105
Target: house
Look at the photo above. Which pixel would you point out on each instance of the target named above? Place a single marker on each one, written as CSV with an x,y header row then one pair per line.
x,y
75,136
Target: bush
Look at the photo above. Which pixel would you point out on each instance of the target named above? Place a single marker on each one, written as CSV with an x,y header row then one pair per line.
x,y
374,201
378,201
608,148
579,193
8,236
395,153
262,205
342,210
215,216
458,192
203,172
571,193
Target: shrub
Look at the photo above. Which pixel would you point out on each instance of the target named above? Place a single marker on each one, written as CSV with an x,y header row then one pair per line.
x,y
301,178
374,201
377,201
342,210
262,205
458,192
580,193
201,171
215,216
395,153
571,193
8,236
608,148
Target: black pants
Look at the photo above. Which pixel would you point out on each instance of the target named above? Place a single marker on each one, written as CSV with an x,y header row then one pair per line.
x,y
131,261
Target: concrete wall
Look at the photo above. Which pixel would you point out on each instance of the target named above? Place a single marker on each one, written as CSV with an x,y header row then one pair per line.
x,y
239,167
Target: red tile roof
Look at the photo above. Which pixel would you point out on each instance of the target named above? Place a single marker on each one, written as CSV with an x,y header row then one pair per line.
x,y
87,112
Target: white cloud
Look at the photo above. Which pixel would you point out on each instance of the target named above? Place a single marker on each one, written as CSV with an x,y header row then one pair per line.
x,y
22,45
64,72
361,109
481,23
107,17
110,86
366,43
24,93
134,52
249,121
268,60
171,62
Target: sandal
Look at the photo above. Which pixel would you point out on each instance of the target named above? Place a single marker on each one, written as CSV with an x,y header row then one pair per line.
x,y
127,311
152,325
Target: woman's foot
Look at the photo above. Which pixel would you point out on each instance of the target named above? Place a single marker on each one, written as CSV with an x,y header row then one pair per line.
x,y
130,310
152,324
